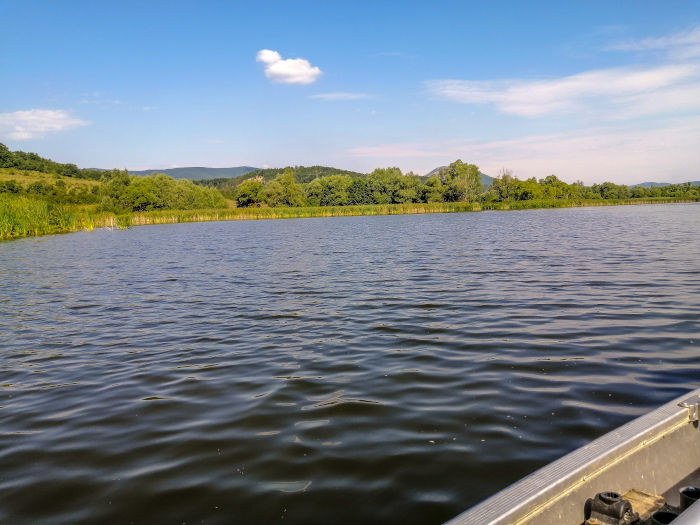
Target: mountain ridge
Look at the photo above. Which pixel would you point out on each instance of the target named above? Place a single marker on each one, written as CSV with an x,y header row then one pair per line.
x,y
652,184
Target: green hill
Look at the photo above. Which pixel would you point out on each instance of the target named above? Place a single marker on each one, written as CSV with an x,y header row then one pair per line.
x,y
303,174
198,173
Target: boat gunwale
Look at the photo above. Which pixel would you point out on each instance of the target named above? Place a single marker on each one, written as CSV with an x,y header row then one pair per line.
x,y
538,491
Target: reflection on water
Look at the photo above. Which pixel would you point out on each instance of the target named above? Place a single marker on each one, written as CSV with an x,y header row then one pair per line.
x,y
350,370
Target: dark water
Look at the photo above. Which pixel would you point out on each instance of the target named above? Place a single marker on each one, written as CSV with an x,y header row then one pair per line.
x,y
352,370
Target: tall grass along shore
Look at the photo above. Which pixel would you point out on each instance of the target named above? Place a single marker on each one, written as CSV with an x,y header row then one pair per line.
x,y
25,217
39,196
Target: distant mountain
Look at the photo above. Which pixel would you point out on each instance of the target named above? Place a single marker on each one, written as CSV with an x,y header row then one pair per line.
x,y
303,174
486,180
199,173
652,184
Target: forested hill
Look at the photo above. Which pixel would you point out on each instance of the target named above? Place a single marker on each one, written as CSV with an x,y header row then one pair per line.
x,y
485,179
302,174
198,173
31,161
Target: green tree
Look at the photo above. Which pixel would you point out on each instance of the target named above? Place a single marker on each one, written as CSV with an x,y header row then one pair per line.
x,y
610,190
359,192
433,190
390,186
6,158
249,193
384,184
114,184
284,190
336,190
505,186
410,189
553,188
329,191
528,190
462,182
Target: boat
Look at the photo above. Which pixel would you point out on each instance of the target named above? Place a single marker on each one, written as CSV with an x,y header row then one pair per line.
x,y
632,475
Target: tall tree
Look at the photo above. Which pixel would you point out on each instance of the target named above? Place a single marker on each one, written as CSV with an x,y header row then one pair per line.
x,y
462,182
284,190
249,193
6,157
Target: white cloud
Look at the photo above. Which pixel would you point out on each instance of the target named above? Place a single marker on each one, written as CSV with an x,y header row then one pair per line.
x,y
341,96
35,123
287,71
681,45
612,92
623,154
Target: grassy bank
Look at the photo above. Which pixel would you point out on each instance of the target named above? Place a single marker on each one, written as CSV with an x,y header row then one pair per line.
x,y
23,217
174,216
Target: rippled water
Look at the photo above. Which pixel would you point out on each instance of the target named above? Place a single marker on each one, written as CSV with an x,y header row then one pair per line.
x,y
349,370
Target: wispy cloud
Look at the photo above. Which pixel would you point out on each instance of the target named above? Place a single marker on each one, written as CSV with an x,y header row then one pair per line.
x,y
400,150
627,124
681,45
287,71
341,96
99,98
612,90
621,154
36,123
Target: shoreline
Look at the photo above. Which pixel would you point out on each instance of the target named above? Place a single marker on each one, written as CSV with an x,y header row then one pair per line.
x,y
87,221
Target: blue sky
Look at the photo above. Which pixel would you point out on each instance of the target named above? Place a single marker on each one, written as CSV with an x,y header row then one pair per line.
x,y
589,91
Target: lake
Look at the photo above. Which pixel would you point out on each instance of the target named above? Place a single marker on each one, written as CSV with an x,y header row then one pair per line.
x,y
393,369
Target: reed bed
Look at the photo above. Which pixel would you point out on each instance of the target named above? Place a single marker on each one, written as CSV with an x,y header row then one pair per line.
x,y
21,217
26,217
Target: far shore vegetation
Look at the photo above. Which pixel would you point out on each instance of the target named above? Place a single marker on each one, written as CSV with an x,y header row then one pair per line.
x,y
39,196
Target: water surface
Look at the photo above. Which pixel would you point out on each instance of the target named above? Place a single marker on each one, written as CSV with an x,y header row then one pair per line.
x,y
350,370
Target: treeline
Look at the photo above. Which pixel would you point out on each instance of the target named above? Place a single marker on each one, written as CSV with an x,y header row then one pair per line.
x,y
121,192
116,191
509,188
458,182
33,162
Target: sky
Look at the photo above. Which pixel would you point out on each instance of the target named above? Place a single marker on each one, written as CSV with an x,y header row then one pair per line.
x,y
592,90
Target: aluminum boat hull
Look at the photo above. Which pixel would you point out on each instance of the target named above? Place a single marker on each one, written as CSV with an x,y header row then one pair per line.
x,y
653,453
